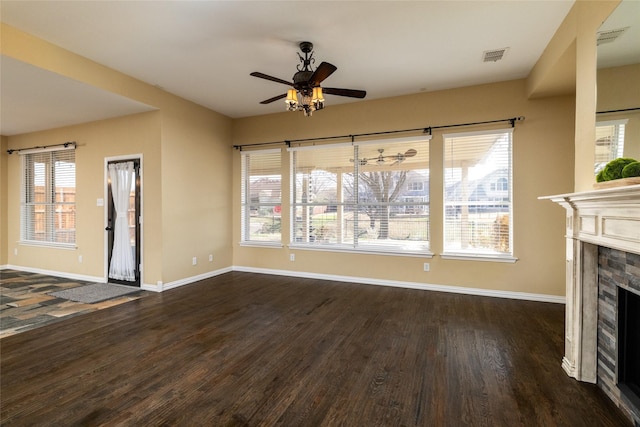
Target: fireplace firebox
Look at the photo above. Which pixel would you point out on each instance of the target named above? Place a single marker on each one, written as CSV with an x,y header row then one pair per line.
x,y
629,345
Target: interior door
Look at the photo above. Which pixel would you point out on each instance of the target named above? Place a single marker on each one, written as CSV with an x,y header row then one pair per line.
x,y
132,213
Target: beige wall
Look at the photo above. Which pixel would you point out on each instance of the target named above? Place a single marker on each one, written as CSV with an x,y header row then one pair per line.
x,y
130,135
619,87
538,226
185,193
196,192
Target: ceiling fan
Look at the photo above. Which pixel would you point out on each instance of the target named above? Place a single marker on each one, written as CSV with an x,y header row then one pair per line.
x,y
306,82
381,159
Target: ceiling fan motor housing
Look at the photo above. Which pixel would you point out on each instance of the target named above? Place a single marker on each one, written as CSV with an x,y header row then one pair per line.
x,y
301,82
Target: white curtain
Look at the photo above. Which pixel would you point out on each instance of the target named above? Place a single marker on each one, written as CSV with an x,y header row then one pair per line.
x,y
122,260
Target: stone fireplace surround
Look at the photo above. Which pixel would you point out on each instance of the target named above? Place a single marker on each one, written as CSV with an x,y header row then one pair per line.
x,y
597,221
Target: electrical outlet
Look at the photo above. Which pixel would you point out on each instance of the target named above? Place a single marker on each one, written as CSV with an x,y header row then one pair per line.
x,y
426,266
15,251
80,259
292,257
194,261
210,257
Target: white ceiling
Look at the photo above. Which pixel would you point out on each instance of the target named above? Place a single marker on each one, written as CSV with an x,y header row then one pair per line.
x,y
204,50
34,99
626,49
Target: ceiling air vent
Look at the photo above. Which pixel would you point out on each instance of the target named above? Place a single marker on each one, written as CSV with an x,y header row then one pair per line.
x,y
494,55
609,36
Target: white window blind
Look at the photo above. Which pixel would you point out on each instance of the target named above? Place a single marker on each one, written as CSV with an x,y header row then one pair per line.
x,y
261,196
48,205
478,193
609,142
371,196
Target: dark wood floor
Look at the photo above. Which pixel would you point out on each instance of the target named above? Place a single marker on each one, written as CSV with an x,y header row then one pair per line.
x,y
244,349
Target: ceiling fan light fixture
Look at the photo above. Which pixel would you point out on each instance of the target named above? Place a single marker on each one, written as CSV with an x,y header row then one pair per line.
x,y
308,110
317,98
292,100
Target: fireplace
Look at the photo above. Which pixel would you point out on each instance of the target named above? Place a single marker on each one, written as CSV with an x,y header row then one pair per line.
x,y
602,330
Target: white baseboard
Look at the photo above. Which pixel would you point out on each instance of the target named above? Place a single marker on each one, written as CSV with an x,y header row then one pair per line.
x,y
568,367
152,288
410,285
55,273
147,287
160,287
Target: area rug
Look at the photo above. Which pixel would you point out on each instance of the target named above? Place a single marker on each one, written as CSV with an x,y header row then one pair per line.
x,y
91,294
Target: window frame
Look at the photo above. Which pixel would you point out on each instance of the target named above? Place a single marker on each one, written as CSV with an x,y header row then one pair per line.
x,y
355,246
246,202
411,185
29,202
480,255
619,126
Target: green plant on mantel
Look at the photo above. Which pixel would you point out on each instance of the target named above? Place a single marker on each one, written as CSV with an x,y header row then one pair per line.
x,y
631,170
622,167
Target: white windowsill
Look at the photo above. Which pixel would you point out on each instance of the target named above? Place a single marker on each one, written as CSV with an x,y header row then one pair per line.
x,y
478,257
66,246
269,245
370,251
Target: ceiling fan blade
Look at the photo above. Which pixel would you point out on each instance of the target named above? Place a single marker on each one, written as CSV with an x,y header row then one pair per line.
x,y
323,71
275,98
352,93
410,152
273,79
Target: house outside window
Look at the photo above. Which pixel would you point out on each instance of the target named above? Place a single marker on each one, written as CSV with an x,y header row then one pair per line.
x,y
48,197
361,196
261,197
478,218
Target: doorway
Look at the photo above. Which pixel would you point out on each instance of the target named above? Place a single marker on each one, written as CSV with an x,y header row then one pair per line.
x,y
123,222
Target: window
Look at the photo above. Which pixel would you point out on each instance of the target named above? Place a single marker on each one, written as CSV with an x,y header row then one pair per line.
x,y
261,196
48,203
502,184
361,196
478,192
415,186
609,142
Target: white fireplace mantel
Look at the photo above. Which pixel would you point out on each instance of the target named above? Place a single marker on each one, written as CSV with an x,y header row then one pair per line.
x,y
607,217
